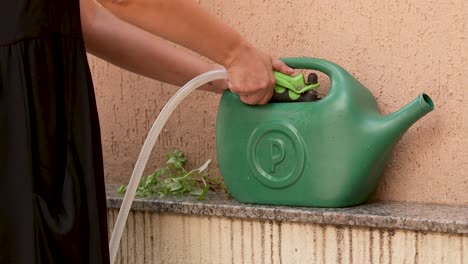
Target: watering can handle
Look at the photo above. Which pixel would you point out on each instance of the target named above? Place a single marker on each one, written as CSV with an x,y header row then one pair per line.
x,y
338,76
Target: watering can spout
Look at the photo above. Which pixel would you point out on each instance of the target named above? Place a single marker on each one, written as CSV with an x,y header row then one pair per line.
x,y
398,122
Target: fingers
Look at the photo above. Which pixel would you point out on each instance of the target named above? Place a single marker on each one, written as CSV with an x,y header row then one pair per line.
x,y
257,90
281,66
257,99
251,75
267,97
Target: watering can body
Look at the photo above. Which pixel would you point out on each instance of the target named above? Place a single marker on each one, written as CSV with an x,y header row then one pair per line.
x,y
328,153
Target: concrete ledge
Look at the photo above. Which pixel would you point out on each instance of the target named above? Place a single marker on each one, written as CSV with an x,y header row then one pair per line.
x,y
385,215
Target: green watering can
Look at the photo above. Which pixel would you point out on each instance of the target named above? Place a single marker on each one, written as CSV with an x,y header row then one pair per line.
x,y
326,153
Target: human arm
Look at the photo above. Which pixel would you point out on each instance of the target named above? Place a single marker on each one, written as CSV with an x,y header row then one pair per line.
x,y
185,23
136,50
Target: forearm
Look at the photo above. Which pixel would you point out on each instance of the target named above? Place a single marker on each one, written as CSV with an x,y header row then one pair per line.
x,y
182,22
134,49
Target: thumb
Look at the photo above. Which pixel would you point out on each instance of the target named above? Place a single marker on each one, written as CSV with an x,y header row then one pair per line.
x,y
281,66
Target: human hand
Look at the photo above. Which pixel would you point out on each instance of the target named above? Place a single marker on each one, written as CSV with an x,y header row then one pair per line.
x,y
250,74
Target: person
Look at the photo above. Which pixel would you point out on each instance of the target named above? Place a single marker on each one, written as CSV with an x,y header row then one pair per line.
x,y
53,206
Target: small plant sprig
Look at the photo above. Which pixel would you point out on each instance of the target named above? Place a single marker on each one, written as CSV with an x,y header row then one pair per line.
x,y
174,179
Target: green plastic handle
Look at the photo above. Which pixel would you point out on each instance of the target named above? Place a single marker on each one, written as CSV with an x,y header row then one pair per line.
x,y
338,76
294,83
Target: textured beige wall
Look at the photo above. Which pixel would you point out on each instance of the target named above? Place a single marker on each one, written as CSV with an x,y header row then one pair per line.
x,y
398,49
165,238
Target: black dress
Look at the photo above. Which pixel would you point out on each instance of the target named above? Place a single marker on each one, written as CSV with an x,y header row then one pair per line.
x,y
52,197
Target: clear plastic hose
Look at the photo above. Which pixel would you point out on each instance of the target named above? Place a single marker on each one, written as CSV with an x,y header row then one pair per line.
x,y
146,151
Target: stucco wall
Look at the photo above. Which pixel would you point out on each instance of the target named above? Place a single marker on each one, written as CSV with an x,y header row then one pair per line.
x,y
398,49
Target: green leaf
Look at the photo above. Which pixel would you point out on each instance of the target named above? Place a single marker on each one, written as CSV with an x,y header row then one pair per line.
x,y
122,189
174,186
197,192
176,159
203,194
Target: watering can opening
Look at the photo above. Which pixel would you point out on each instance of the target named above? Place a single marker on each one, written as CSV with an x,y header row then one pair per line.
x,y
427,102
